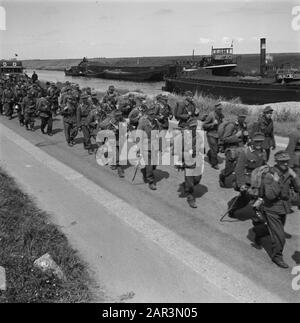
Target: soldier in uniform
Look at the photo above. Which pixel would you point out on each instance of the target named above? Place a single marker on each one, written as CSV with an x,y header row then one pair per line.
x,y
8,102
135,115
146,124
186,110
94,118
127,106
111,97
83,111
29,108
164,112
45,113
53,92
266,126
250,158
112,124
211,125
234,138
192,162
1,95
275,192
293,149
34,77
69,120
19,95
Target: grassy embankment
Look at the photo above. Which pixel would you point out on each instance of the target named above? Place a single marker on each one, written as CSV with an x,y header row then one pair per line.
x,y
25,235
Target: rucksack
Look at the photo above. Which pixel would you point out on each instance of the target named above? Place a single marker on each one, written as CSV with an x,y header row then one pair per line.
x,y
253,128
222,127
257,176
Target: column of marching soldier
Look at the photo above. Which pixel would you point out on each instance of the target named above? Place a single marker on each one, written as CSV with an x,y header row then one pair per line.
x,y
266,193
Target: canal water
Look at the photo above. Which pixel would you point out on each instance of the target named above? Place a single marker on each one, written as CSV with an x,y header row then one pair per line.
x,y
98,83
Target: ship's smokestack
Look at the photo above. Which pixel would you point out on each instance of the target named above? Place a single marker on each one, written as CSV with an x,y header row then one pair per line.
x,y
262,56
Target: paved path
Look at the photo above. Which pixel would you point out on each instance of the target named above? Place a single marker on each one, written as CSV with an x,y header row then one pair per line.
x,y
147,242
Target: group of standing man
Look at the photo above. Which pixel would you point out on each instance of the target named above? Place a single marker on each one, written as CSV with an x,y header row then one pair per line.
x,y
247,150
266,193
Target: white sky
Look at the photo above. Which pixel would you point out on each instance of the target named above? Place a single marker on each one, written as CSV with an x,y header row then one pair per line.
x,y
73,29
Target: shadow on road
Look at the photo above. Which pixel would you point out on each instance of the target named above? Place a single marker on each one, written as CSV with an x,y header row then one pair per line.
x,y
296,257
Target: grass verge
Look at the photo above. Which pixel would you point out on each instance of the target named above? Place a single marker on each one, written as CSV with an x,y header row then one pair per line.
x,y
25,235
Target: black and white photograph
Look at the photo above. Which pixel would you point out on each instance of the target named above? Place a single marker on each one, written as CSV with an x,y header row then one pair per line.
x,y
149,154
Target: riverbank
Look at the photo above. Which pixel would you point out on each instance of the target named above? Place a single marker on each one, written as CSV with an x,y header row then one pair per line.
x,y
26,234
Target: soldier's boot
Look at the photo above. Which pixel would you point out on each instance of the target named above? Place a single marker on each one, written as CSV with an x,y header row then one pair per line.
x,y
143,170
152,186
222,179
90,151
191,201
257,241
121,172
280,263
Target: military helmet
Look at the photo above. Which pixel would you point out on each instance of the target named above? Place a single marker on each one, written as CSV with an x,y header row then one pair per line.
x,y
268,109
84,96
143,107
218,105
188,93
164,98
258,137
94,94
282,156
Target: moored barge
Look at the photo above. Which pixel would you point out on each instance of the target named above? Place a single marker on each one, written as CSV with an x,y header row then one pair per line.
x,y
218,79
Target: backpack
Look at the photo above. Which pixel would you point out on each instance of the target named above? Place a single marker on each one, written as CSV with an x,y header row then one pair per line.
x,y
257,177
222,127
253,128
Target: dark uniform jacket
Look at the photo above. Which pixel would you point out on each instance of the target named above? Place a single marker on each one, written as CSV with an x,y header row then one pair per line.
x,y
210,126
134,116
69,113
164,113
182,112
44,108
111,98
7,96
230,137
248,160
29,105
276,194
127,107
293,148
145,126
266,126
83,111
